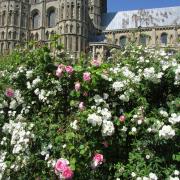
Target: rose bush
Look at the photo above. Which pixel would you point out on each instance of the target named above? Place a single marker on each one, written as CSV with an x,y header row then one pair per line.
x,y
114,120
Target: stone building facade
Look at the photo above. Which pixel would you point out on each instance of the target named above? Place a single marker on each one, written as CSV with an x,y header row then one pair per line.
x,y
76,20
85,23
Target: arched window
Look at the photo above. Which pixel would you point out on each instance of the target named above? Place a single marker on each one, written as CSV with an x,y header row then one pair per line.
x,y
72,10
23,36
9,44
2,35
32,37
71,28
143,40
47,35
78,29
10,17
36,37
62,12
51,18
66,28
23,20
164,38
14,35
16,18
3,17
9,35
123,41
35,20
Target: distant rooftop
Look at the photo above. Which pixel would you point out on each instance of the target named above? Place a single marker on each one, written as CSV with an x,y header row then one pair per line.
x,y
169,16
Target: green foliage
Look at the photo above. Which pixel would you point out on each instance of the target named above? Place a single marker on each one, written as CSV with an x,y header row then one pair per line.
x,y
140,84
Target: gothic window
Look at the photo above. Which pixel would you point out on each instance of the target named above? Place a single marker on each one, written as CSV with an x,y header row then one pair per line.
x,y
77,43
72,10
68,11
51,18
65,42
66,28
122,41
70,42
32,37
62,11
2,35
78,29
10,18
47,35
78,12
36,37
15,44
14,35
143,40
3,17
164,38
9,44
35,20
9,35
23,20
16,18
71,28
23,36
91,9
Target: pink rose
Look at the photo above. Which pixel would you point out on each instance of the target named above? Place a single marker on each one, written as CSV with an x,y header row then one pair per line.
x,y
81,106
67,173
59,72
61,165
122,118
87,76
9,92
77,86
69,69
97,160
96,62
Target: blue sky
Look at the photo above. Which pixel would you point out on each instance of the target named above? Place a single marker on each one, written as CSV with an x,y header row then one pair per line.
x,y
118,5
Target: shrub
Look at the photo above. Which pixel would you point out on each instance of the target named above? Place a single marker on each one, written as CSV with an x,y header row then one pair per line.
x,y
117,120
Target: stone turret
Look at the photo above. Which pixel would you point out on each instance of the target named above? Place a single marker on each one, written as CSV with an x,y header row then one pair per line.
x,y
13,24
96,9
73,24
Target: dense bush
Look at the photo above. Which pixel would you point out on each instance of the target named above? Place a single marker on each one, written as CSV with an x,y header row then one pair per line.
x,y
114,120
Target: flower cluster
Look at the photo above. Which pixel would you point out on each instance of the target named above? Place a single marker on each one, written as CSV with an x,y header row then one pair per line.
x,y
62,68
167,132
97,160
175,118
62,169
150,74
126,112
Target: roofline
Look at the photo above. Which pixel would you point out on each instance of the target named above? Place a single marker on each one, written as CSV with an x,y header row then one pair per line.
x,y
142,28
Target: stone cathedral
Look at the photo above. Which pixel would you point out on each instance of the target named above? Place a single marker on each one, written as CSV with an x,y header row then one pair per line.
x,y
85,24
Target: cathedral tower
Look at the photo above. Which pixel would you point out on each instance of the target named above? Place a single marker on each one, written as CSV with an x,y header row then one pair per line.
x,y
73,24
13,24
96,9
